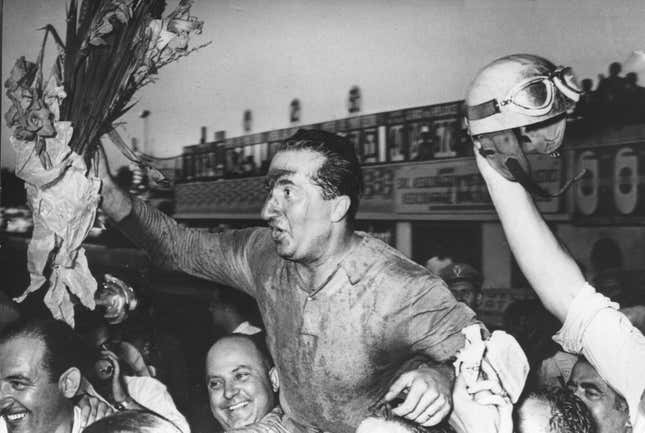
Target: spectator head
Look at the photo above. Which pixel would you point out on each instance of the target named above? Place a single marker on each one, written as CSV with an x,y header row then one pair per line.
x,y
132,422
609,409
614,69
229,308
586,85
241,380
519,320
610,284
631,78
436,263
553,410
465,283
40,372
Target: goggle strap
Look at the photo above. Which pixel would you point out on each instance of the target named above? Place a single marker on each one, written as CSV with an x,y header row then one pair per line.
x,y
531,186
483,110
566,90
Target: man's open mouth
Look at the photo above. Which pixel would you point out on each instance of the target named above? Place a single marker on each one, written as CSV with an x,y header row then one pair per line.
x,y
14,417
236,406
277,233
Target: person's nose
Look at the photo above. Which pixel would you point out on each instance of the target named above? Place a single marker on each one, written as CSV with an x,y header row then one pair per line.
x,y
579,392
5,389
230,390
270,208
5,392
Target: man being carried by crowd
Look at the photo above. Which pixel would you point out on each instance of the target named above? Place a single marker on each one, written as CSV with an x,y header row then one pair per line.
x,y
242,386
523,99
40,376
342,310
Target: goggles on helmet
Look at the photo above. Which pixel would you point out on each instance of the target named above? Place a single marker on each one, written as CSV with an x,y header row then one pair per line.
x,y
534,96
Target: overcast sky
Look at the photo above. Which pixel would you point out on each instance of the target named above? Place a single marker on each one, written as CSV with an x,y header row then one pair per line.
x,y
401,53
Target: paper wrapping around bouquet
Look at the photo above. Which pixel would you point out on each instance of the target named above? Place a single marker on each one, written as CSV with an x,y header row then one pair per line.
x,y
64,201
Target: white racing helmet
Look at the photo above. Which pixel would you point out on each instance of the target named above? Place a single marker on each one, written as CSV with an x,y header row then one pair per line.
x,y
517,104
519,90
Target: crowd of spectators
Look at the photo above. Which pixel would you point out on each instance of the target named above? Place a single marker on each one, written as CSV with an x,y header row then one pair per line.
x,y
152,363
617,99
612,100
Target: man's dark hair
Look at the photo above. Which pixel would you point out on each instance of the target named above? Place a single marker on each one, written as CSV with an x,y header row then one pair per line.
x,y
63,347
132,422
569,414
340,174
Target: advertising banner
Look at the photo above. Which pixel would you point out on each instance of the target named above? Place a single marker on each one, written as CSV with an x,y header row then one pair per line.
x,y
451,186
614,185
447,187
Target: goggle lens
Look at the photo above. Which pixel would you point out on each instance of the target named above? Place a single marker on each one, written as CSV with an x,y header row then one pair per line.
x,y
534,95
568,78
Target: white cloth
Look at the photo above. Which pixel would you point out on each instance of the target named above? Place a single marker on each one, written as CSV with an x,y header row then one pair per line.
x,y
246,328
77,426
595,328
152,394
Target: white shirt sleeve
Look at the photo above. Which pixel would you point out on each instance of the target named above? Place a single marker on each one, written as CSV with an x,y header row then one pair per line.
x,y
596,329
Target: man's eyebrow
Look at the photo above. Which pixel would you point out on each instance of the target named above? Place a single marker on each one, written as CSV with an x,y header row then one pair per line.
x,y
275,176
590,385
241,367
20,377
277,173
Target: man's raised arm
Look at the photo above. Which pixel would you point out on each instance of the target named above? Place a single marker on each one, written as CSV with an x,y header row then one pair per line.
x,y
552,272
592,325
218,257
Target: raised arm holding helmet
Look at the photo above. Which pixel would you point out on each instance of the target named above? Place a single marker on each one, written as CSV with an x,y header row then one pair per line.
x,y
342,310
535,108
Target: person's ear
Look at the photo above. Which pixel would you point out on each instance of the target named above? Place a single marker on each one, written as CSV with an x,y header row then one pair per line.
x,y
275,380
69,382
341,206
477,145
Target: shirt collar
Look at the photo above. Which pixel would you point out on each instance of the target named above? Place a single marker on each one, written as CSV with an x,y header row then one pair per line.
x,y
362,258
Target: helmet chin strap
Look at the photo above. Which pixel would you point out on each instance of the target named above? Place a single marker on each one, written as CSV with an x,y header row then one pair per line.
x,y
531,186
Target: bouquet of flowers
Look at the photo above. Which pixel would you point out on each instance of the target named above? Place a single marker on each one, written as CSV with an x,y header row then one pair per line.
x,y
112,49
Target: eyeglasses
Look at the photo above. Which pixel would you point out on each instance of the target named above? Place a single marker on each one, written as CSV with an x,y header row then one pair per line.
x,y
534,96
